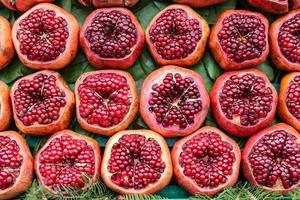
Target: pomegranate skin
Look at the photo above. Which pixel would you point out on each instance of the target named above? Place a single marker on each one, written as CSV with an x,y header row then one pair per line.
x,y
234,126
158,76
219,54
24,180
71,47
151,188
100,62
199,3
110,3
7,51
276,54
130,116
195,55
21,5
246,166
188,183
65,115
274,6
5,107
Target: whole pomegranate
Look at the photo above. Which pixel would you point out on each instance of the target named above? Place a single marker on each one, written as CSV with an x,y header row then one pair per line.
x,y
206,162
66,160
177,36
112,38
239,39
22,5
42,103
46,37
199,3
174,101
270,159
7,51
108,3
275,6
284,41
136,162
16,165
5,107
243,102
106,101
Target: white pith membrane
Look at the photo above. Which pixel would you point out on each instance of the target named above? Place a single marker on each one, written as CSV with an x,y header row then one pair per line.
x,y
293,97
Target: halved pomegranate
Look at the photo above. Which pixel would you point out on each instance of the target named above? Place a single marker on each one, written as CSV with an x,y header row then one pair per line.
x,y
243,102
174,101
136,162
16,165
239,39
106,101
68,160
206,162
284,40
275,6
7,50
289,99
177,36
270,159
5,107
112,38
42,103
199,3
22,5
46,37
108,3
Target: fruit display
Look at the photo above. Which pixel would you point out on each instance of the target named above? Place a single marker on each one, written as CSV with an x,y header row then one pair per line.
x,y
150,99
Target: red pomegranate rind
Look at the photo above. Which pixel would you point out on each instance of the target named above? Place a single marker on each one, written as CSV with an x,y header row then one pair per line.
x,y
85,3
46,37
5,107
21,5
7,51
270,159
239,39
9,4
284,41
243,102
110,3
112,38
174,101
272,6
177,36
107,101
42,103
66,160
198,3
136,162
16,165
206,162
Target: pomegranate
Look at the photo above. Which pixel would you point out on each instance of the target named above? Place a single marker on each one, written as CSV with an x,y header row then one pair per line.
x,y
275,6
136,162
174,101
270,159
7,51
22,5
16,163
112,38
106,101
243,102
289,99
177,35
108,3
42,103
284,41
199,3
46,37
206,162
239,39
5,107
66,160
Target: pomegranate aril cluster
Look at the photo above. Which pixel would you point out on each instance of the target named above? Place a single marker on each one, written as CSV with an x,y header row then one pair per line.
x,y
289,38
111,34
246,99
104,99
174,35
39,100
293,97
136,161
276,157
242,37
43,35
207,159
175,101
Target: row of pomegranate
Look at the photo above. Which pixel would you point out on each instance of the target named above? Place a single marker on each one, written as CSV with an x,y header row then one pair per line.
x,y
139,162
46,37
